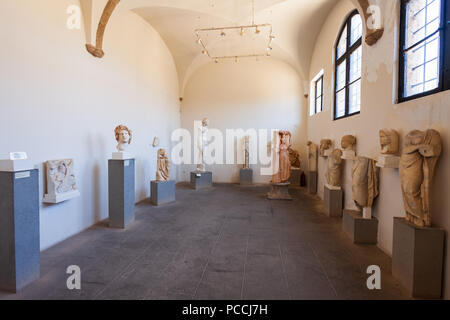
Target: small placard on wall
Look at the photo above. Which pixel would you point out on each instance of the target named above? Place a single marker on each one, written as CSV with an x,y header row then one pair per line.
x,y
22,175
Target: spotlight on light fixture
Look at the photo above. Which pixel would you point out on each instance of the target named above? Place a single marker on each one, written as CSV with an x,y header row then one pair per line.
x,y
242,31
257,31
204,51
223,34
216,60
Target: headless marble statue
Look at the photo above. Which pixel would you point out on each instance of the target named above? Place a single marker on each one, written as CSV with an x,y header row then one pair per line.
x,y
417,166
365,184
163,170
334,168
201,144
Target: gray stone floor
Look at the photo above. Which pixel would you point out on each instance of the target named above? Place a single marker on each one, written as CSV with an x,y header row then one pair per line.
x,y
227,242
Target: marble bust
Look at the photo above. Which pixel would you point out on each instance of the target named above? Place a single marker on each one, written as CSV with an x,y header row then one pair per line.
x,y
123,137
312,156
348,144
61,182
389,141
163,166
365,184
202,142
334,168
284,168
417,166
325,145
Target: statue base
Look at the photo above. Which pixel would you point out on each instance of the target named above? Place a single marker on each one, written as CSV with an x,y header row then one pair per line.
x,y
162,192
15,165
333,199
349,155
246,177
418,258
296,175
201,179
312,182
388,161
19,229
360,230
60,197
122,156
121,192
328,153
279,191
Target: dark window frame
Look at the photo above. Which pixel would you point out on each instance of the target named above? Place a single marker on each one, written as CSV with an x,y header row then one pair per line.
x,y
444,63
316,96
350,49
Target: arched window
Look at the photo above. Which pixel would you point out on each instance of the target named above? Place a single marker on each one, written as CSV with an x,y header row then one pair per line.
x,y
347,100
424,48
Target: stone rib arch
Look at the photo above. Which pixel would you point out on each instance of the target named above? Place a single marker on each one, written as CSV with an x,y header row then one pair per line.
x,y
97,50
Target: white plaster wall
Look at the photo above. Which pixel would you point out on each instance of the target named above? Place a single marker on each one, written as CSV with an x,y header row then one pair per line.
x,y
57,101
379,111
265,94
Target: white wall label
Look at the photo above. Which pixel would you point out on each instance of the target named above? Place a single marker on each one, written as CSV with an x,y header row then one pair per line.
x,y
22,175
18,156
127,163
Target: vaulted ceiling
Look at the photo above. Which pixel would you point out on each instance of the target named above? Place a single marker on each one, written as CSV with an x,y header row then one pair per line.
x,y
296,24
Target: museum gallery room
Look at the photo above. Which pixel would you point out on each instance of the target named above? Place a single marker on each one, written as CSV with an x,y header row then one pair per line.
x,y
224,150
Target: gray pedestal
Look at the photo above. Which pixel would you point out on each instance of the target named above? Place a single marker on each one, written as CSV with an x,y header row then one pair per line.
x,y
201,180
296,175
162,192
360,230
279,191
19,229
121,188
246,177
333,202
417,258
312,182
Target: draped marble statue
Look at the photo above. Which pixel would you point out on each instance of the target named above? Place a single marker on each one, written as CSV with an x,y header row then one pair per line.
x,y
202,142
417,165
123,137
284,168
365,182
312,156
325,145
163,166
334,169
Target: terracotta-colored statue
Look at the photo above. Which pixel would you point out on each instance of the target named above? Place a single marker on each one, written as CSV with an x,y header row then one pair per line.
x,y
294,158
389,141
123,137
348,142
364,182
312,156
333,174
284,170
163,170
417,166
325,144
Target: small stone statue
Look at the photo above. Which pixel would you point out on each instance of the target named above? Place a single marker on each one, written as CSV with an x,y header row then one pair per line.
x,y
312,156
61,182
333,174
123,137
201,144
163,173
389,141
247,152
364,182
294,158
417,165
325,144
284,170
